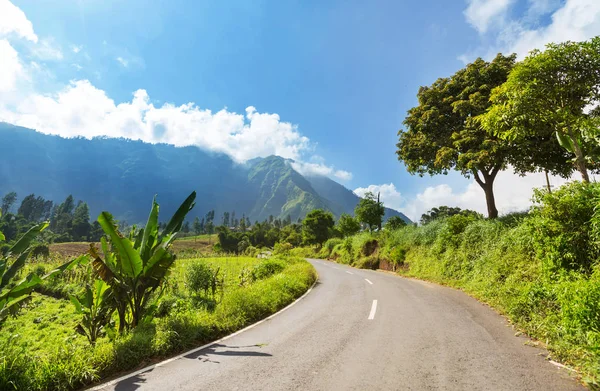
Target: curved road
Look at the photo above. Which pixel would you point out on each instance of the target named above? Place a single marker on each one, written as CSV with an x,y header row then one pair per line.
x,y
418,336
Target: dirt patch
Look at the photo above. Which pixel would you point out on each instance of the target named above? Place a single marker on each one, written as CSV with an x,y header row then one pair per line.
x,y
370,247
75,249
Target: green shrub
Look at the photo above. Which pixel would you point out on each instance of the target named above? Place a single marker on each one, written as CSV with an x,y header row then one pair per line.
x,y
200,277
282,248
328,247
565,237
267,268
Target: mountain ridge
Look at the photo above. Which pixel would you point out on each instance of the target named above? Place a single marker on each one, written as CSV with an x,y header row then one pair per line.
x,y
119,174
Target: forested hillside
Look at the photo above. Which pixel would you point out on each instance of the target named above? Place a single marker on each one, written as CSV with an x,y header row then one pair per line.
x,y
115,174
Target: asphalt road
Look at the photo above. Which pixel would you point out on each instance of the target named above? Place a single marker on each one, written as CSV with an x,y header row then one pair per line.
x,y
366,330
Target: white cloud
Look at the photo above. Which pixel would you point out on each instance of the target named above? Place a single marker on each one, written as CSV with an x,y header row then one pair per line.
x,y
343,175
309,168
389,195
81,109
46,49
577,20
14,21
574,20
11,68
76,48
123,62
481,14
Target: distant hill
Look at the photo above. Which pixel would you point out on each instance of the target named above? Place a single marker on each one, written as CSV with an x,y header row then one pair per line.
x,y
121,176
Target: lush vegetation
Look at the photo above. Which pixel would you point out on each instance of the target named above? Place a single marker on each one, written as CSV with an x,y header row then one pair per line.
x,y
127,303
540,268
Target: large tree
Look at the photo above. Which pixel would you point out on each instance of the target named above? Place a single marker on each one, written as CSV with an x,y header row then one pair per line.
x,y
370,211
443,132
348,225
7,202
556,92
316,226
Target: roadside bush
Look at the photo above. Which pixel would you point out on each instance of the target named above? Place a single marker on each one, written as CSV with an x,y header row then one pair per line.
x,y
328,247
267,268
282,248
565,237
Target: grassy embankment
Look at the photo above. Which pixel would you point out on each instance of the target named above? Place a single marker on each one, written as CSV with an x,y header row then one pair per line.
x,y
40,350
541,270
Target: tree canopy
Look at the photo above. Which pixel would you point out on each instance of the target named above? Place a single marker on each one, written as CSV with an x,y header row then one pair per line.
x,y
348,225
316,226
443,132
555,92
370,211
395,222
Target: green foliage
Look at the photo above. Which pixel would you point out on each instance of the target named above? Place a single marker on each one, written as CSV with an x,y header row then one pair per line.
x,y
200,277
96,307
446,211
267,268
565,235
13,292
370,211
328,247
394,222
348,225
316,226
550,94
136,266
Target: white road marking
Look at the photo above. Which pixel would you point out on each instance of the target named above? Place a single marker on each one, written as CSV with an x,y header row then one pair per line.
x,y
373,310
335,267
349,272
367,280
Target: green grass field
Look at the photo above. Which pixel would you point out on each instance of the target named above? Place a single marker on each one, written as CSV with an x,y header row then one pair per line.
x,y
40,350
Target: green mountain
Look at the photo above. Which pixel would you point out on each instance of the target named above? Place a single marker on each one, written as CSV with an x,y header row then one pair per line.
x,y
121,176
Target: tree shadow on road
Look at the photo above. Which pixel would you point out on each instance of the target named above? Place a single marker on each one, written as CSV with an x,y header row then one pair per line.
x,y
225,350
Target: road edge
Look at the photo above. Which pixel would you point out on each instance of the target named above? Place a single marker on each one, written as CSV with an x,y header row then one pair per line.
x,y
179,356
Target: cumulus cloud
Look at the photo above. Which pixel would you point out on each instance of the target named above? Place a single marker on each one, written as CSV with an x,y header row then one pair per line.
x,y
81,109
389,195
311,169
483,13
574,20
14,21
11,68
512,193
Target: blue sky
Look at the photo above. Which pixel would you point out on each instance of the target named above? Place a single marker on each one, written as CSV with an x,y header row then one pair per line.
x,y
329,82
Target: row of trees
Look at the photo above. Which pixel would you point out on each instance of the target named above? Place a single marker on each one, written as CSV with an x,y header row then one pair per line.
x,y
317,227
69,220
538,115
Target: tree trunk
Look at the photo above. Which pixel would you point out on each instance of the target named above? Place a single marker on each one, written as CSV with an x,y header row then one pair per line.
x,y
488,189
490,200
579,157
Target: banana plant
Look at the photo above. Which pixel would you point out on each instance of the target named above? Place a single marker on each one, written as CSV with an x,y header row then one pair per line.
x,y
135,266
96,305
14,294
